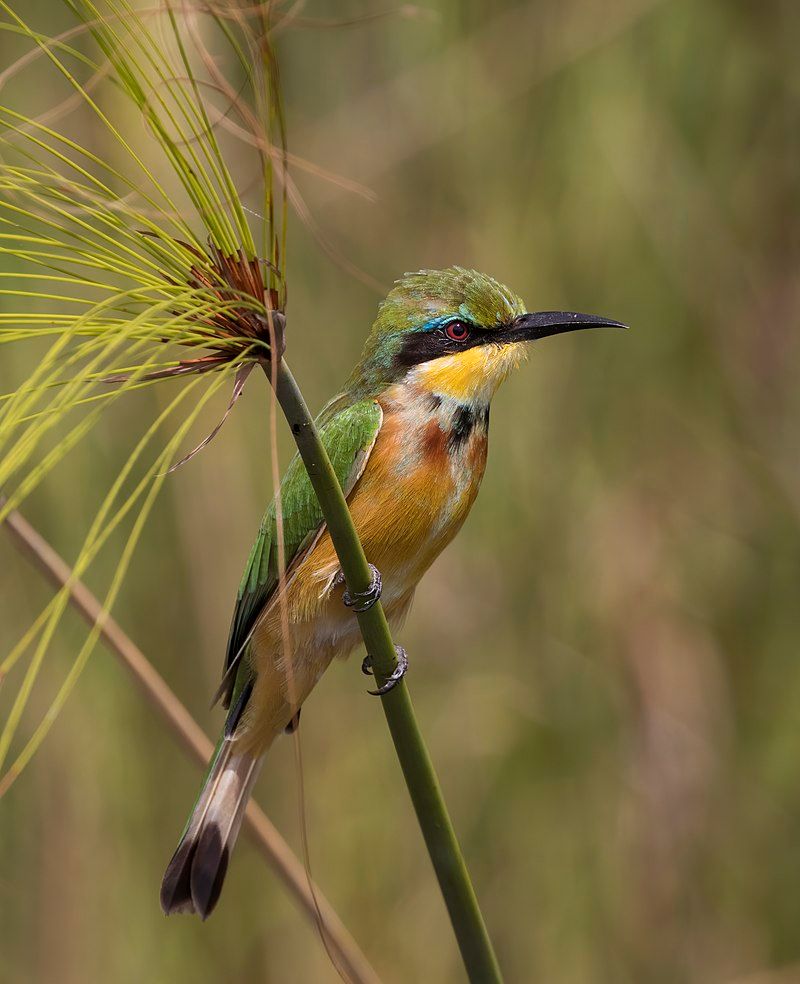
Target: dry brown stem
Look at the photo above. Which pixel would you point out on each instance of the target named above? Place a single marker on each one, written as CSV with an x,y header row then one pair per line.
x,y
192,739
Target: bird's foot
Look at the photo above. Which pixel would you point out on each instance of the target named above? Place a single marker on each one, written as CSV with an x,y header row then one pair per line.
x,y
396,676
362,601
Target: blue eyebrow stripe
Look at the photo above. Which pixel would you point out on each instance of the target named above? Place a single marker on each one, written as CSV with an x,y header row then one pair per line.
x,y
443,319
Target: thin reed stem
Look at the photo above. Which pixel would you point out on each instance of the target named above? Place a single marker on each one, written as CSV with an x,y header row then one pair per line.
x,y
194,742
437,829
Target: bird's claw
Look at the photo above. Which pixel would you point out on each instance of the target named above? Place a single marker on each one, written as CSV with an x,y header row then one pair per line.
x,y
396,676
362,601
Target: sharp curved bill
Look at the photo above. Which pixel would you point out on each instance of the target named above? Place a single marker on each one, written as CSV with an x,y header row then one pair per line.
x,y
540,324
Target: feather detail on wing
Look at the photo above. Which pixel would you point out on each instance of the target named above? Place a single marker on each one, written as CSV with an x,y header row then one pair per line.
x,y
348,435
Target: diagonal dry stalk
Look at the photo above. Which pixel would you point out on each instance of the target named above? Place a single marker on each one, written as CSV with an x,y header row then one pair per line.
x,y
192,739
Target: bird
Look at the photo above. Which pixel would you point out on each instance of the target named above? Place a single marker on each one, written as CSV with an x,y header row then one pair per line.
x,y
407,437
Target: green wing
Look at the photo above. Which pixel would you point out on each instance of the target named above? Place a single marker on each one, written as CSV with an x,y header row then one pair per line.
x,y
348,436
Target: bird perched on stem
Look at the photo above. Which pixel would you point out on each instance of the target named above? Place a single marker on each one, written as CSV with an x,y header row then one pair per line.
x,y
408,440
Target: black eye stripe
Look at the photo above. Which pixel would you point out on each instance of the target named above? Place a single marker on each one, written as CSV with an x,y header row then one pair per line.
x,y
423,346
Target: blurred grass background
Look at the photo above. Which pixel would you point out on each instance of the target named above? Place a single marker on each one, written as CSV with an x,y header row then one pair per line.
x,y
605,662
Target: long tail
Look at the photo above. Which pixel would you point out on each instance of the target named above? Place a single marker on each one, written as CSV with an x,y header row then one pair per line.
x,y
193,879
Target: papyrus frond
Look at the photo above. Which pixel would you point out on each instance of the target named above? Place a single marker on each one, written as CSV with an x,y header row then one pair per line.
x,y
141,239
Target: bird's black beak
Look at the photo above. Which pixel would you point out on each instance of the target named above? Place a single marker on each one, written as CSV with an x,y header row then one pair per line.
x,y
540,324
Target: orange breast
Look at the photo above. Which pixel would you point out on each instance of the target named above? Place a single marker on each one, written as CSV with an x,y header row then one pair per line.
x,y
410,502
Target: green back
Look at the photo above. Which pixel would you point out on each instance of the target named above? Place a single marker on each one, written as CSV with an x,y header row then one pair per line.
x,y
348,436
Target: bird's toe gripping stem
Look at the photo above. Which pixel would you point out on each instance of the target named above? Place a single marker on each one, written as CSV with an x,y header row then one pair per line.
x,y
396,676
362,601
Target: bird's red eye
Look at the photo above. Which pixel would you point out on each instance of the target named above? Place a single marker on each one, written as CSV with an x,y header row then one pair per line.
x,y
457,330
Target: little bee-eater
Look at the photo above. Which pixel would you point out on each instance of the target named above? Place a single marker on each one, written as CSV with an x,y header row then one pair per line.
x,y
407,438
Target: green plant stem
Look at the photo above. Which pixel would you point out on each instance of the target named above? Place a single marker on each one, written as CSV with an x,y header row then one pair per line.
x,y
437,829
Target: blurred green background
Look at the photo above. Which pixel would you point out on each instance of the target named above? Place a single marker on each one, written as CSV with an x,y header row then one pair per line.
x,y
605,661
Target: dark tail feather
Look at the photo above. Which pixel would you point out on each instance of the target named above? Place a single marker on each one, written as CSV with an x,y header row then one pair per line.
x,y
193,879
